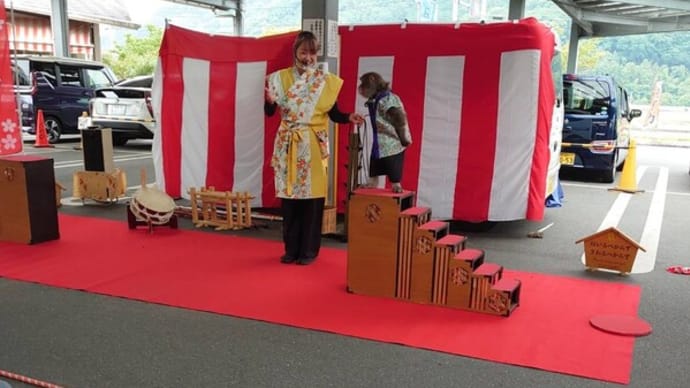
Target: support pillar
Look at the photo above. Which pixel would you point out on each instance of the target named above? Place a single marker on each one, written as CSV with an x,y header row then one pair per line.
x,y
239,18
575,32
59,24
97,49
516,9
321,18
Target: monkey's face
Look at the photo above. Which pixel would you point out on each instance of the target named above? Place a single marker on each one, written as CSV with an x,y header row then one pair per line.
x,y
367,90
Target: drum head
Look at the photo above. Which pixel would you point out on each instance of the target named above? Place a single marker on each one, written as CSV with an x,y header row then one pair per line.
x,y
155,200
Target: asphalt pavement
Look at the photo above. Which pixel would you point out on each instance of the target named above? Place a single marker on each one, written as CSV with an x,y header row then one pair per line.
x,y
78,339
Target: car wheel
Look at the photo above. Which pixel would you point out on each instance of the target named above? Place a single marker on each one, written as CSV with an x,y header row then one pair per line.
x,y
53,129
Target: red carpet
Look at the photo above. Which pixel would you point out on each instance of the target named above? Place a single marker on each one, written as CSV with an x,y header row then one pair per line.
x,y
242,277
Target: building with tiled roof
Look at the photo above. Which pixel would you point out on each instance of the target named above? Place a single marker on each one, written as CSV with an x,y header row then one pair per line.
x,y
33,32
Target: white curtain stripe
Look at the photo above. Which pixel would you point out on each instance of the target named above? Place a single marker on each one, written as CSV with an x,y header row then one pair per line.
x,y
194,124
440,146
516,132
249,129
157,144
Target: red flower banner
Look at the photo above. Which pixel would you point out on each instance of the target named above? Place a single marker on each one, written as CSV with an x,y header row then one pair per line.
x,y
10,130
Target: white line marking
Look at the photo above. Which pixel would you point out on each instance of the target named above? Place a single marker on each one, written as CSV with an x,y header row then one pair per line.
x,y
677,193
603,187
587,186
651,233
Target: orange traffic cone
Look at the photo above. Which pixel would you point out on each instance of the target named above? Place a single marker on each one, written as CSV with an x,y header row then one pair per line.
x,y
41,135
628,182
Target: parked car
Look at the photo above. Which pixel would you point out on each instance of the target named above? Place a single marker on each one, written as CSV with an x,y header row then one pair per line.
x,y
61,88
22,88
596,128
125,108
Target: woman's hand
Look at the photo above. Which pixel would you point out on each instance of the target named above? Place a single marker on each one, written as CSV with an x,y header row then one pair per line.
x,y
268,96
356,118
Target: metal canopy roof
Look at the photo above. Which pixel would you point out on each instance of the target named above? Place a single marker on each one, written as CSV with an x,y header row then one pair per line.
x,y
223,5
600,18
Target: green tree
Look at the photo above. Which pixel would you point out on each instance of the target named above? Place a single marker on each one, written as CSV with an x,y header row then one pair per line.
x,y
137,55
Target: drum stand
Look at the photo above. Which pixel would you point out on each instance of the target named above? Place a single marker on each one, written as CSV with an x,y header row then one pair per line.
x,y
134,223
147,215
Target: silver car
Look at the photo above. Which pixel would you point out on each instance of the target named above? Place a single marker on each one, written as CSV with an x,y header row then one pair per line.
x,y
125,108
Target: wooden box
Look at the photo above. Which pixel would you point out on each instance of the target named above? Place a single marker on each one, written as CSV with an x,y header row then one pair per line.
x,y
99,186
97,144
28,213
372,254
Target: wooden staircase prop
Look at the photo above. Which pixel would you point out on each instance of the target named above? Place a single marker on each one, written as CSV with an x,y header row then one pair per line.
x,y
223,210
395,250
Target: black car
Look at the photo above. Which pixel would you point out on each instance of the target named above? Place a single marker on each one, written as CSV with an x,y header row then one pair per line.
x,y
22,88
61,88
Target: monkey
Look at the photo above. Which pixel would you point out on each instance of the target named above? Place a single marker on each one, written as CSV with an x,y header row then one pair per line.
x,y
390,128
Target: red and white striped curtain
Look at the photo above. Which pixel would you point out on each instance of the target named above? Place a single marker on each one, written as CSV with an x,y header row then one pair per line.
x,y
208,98
479,100
10,130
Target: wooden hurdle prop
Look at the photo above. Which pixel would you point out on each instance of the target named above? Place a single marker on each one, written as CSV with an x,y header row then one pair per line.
x,y
207,208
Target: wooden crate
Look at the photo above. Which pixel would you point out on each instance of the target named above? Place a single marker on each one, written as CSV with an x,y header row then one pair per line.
x,y
372,255
98,185
28,211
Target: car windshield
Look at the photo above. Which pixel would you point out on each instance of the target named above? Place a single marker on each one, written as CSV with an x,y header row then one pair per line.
x,y
584,96
136,82
99,78
20,77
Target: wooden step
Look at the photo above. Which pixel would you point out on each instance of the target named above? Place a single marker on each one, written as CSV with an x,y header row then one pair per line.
x,y
452,240
510,288
410,219
509,285
416,211
490,270
438,228
446,249
474,257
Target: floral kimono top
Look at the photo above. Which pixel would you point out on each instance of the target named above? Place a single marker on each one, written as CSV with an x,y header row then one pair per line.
x,y
384,132
300,153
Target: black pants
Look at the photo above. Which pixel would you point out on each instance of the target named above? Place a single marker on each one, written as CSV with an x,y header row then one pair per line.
x,y
302,219
390,166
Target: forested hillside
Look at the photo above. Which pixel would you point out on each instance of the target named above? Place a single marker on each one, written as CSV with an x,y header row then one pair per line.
x,y
637,61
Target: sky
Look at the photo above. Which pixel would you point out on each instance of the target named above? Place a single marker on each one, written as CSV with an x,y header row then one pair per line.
x,y
145,12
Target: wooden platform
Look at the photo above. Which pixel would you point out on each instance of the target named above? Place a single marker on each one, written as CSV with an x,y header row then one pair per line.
x,y
373,235
396,250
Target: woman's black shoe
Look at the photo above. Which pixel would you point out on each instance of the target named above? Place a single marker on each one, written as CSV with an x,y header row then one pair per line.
x,y
305,260
285,259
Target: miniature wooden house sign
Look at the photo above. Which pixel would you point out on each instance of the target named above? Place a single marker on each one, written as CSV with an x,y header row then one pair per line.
x,y
610,249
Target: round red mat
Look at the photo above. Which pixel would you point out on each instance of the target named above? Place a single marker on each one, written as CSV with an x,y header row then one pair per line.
x,y
621,324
